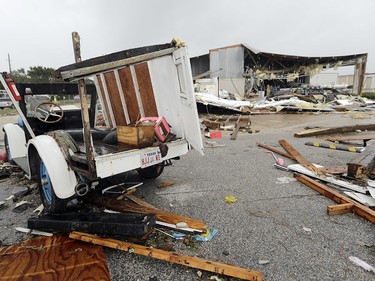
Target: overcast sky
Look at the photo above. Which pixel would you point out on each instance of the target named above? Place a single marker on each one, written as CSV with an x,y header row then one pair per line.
x,y
38,32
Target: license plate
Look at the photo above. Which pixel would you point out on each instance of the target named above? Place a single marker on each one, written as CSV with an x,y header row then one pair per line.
x,y
150,158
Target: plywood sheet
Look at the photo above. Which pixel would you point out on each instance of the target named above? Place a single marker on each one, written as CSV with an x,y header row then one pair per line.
x,y
129,94
115,99
53,258
145,89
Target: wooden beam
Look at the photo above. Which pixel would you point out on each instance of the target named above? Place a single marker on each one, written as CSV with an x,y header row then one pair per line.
x,y
233,135
194,262
298,157
340,209
85,109
275,150
328,192
334,130
124,206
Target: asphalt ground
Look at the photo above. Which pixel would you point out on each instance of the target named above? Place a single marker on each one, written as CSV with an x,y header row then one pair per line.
x,y
275,219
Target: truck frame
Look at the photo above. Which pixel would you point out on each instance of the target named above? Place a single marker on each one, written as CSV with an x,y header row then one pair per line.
x,y
62,145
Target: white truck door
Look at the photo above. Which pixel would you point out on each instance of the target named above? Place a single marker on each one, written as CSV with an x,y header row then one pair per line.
x,y
188,111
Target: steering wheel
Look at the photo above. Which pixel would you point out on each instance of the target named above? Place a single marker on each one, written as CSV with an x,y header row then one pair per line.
x,y
47,110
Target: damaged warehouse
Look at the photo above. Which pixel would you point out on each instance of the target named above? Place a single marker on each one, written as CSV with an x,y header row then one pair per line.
x,y
242,69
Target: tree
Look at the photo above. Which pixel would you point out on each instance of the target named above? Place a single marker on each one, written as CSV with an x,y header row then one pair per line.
x,y
40,74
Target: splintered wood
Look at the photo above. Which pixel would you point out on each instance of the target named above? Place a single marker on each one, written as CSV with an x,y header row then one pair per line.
x,y
194,262
53,258
298,157
328,192
124,206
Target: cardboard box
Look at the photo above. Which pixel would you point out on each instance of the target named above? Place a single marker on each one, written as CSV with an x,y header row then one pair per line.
x,y
138,136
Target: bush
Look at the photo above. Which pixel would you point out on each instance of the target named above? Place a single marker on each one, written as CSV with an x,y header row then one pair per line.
x,y
369,95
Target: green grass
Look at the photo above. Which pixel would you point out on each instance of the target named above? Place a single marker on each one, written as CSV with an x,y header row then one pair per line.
x,y
7,111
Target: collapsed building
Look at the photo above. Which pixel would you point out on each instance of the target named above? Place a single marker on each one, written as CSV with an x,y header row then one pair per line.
x,y
241,69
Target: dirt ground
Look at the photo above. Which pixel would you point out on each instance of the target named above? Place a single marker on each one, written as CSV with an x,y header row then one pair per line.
x,y
275,219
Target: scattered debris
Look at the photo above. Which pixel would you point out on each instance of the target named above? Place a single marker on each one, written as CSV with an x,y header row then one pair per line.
x,y
364,265
306,229
334,130
199,273
263,262
21,206
33,231
285,180
185,260
139,207
166,184
279,161
230,199
3,205
214,135
39,210
358,208
213,144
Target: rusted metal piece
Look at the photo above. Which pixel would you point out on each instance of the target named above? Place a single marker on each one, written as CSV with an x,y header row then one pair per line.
x,y
328,192
298,157
84,109
275,150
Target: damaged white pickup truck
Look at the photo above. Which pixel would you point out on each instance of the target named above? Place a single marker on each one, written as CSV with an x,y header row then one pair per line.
x,y
136,111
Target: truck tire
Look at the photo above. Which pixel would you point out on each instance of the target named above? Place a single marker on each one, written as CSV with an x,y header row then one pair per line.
x,y
151,172
52,204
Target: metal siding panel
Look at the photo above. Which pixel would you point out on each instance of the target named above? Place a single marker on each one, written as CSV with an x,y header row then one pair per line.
x,y
231,60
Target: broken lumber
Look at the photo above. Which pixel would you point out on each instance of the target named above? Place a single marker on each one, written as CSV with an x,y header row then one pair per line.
x,y
328,192
362,165
298,157
234,134
194,262
364,138
124,206
275,150
53,258
340,209
334,130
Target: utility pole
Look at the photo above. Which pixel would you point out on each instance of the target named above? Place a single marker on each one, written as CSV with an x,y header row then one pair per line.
x,y
10,68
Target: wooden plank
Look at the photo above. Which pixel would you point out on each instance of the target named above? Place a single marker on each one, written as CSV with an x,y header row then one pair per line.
x,y
275,150
298,157
145,90
53,258
328,192
115,99
84,109
104,101
334,130
138,201
124,206
194,262
335,170
350,138
340,209
129,94
233,135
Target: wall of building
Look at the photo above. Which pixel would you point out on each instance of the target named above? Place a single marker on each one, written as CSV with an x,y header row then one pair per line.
x,y
229,59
